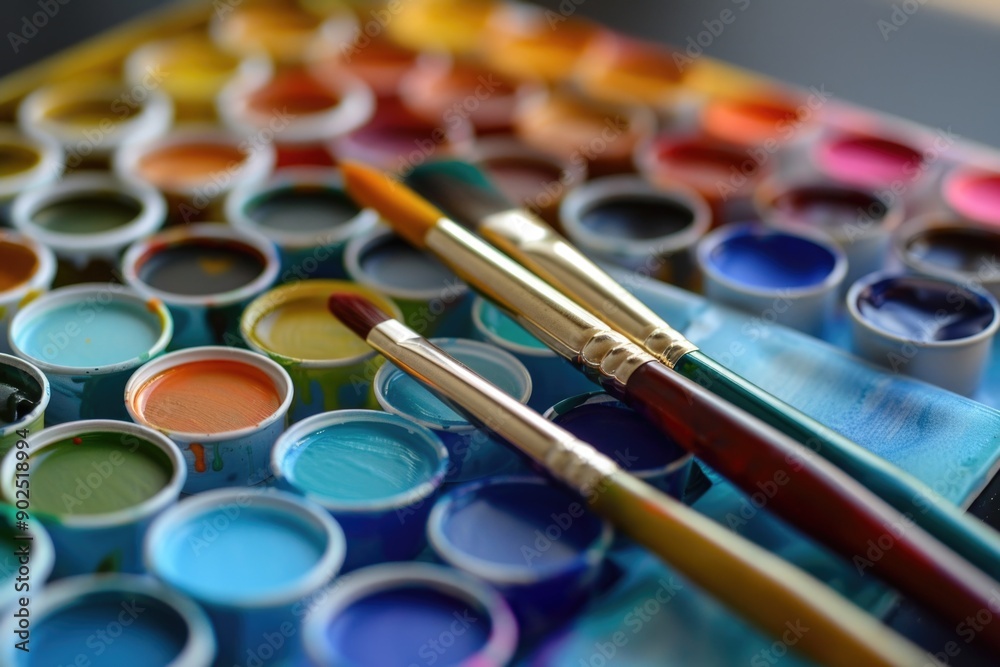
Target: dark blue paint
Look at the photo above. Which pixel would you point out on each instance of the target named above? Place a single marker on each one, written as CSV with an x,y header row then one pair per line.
x,y
637,217
769,259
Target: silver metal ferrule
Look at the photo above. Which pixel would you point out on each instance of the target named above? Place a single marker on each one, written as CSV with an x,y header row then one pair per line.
x,y
540,248
569,459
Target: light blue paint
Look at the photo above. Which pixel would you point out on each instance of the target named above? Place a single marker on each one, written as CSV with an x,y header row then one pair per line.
x,y
499,324
94,627
90,335
240,553
355,463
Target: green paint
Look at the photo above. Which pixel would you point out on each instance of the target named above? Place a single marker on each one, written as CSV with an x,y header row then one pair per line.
x,y
97,473
88,213
217,459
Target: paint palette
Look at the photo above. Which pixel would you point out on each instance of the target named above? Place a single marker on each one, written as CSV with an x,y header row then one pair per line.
x,y
173,221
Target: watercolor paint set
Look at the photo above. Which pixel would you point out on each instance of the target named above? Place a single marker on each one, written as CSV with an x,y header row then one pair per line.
x,y
467,332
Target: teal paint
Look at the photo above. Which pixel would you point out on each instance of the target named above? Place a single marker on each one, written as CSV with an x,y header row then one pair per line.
x,y
499,324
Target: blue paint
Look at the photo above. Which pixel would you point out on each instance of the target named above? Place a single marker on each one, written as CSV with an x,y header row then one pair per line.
x,y
397,626
354,463
504,523
411,398
924,310
93,626
240,553
90,334
770,259
394,263
498,323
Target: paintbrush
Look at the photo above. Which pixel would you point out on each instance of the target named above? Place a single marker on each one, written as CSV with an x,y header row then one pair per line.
x,y
467,195
761,587
805,490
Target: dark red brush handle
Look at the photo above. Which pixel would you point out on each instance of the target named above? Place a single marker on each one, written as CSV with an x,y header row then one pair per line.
x,y
816,497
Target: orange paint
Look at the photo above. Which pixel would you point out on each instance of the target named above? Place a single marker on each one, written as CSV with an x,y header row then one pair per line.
x,y
212,396
295,92
523,45
381,64
620,69
199,456
752,121
18,264
186,165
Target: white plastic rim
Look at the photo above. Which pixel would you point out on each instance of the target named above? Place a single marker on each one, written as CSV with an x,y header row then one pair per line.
x,y
138,252
255,167
151,369
359,246
194,507
722,235
238,204
44,274
302,429
916,227
153,117
152,213
152,506
199,649
355,108
584,198
43,385
500,645
50,166
75,294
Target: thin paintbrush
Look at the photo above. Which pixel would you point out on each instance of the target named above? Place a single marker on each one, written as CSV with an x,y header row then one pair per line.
x,y
805,490
466,195
761,587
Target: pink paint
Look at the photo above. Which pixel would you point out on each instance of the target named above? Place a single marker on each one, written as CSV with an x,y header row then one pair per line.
x,y
869,161
974,194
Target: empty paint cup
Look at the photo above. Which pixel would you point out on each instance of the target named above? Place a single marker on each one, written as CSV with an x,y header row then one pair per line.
x,y
941,245
306,212
255,560
552,377
25,552
195,167
96,485
206,274
91,117
627,221
331,368
399,608
222,406
88,219
473,450
112,620
625,436
788,277
27,162
534,542
432,298
88,339
27,269
931,329
376,473
858,219
24,396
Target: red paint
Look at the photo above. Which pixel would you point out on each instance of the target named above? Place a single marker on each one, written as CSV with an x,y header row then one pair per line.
x,y
811,494
199,456
78,441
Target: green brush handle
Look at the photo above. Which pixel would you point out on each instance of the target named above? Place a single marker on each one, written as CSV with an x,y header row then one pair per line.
x,y
964,534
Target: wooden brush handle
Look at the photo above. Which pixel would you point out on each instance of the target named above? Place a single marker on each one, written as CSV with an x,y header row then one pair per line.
x,y
815,496
777,597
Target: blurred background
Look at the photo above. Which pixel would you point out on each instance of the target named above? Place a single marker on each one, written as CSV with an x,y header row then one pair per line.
x,y
932,61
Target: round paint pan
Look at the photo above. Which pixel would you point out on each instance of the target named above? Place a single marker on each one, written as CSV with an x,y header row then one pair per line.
x,y
27,269
141,621
222,406
284,31
931,329
88,339
385,614
759,120
95,486
27,162
973,193
255,560
870,161
376,473
331,368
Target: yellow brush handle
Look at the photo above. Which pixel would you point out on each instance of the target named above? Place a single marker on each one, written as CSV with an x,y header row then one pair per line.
x,y
765,590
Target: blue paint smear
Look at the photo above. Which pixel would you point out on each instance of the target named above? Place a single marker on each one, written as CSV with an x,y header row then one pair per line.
x,y
355,462
239,553
924,310
95,627
409,626
89,335
761,258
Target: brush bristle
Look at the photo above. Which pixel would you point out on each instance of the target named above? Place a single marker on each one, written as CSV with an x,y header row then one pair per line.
x,y
358,313
459,189
408,213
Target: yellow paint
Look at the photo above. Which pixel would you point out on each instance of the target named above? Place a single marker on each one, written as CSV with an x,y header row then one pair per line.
x,y
16,159
215,266
441,25
193,69
283,31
